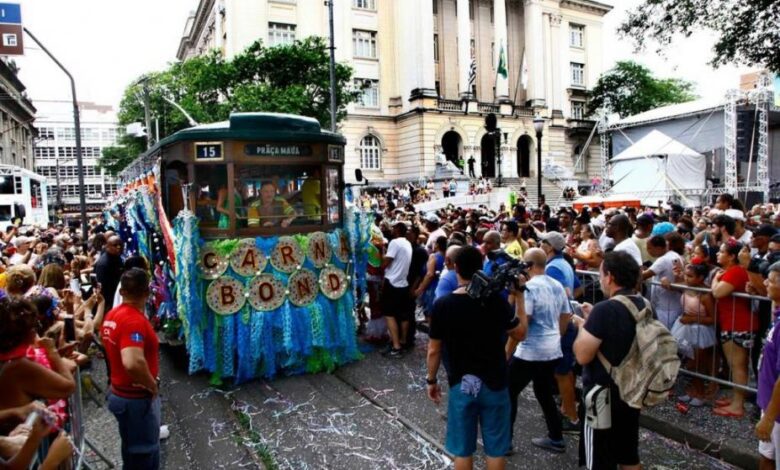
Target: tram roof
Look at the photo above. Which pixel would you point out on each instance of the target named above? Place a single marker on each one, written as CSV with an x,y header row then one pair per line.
x,y
274,127
261,127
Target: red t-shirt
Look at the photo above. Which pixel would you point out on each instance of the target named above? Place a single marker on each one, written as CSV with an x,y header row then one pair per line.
x,y
734,313
127,327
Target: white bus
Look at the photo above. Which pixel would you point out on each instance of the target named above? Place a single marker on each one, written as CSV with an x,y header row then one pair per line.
x,y
22,197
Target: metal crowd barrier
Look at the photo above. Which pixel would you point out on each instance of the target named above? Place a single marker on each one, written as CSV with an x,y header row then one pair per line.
x,y
75,428
589,280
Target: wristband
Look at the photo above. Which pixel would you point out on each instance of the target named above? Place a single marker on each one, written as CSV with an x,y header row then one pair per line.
x,y
433,381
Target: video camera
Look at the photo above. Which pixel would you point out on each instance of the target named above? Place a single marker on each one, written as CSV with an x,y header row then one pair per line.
x,y
504,276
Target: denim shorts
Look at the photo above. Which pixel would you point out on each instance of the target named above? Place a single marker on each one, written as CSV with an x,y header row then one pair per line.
x,y
490,410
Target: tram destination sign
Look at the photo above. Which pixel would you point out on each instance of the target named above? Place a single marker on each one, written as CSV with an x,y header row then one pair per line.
x,y
278,150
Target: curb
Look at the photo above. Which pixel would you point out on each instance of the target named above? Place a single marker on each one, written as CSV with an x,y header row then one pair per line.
x,y
723,449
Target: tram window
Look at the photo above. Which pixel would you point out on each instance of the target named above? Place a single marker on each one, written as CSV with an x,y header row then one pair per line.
x,y
333,195
211,181
6,185
276,195
5,213
35,194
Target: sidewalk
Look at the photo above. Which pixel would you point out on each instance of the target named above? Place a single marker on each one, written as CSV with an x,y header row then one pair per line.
x,y
731,440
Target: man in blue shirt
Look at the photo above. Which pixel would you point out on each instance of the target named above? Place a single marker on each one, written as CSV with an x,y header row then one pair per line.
x,y
559,269
448,281
537,355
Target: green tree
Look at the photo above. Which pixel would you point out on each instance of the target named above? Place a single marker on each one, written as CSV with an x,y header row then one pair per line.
x,y
630,88
291,79
747,30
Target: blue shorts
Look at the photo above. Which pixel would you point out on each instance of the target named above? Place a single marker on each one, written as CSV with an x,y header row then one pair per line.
x,y
490,409
566,364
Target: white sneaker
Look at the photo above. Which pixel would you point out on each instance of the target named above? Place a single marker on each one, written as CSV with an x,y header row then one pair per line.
x,y
164,432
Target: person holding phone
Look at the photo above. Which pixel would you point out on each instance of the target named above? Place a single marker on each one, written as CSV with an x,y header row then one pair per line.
x,y
667,251
108,268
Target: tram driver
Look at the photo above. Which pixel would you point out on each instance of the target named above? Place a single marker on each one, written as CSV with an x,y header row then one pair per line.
x,y
270,210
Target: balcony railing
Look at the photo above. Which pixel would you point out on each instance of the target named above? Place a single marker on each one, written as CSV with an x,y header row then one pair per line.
x,y
488,108
523,111
450,105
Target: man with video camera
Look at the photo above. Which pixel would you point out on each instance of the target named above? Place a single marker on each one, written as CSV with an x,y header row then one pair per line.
x,y
471,327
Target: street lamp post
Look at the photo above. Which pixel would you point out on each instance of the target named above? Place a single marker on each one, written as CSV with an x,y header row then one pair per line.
x,y
77,125
539,127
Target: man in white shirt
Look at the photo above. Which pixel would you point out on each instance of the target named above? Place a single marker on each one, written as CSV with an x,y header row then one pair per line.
x,y
432,224
24,254
397,303
619,228
535,358
740,233
666,302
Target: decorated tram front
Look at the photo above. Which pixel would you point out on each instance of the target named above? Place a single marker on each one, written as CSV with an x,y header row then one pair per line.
x,y
256,260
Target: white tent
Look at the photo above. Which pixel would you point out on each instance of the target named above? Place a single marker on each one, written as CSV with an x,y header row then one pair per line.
x,y
656,167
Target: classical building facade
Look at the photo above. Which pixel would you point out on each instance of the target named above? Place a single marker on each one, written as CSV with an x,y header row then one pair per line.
x,y
17,114
55,153
430,71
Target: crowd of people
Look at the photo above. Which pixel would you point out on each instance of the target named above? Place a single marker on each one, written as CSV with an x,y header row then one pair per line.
x,y
571,315
57,299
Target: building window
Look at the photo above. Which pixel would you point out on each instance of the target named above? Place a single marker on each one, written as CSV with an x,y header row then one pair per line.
x,y
66,133
438,88
579,163
576,35
280,34
578,110
471,10
493,55
435,7
435,47
577,74
370,153
44,152
370,90
46,133
365,4
364,43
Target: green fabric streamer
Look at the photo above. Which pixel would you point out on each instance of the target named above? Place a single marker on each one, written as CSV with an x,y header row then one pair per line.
x,y
225,248
303,242
320,361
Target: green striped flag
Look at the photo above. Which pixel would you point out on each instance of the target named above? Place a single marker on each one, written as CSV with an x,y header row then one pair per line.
x,y
501,70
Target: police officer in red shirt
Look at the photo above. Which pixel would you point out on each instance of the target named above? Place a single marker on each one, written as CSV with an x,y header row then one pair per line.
x,y
132,352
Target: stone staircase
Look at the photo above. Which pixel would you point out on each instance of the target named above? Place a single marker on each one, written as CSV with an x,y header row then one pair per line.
x,y
553,194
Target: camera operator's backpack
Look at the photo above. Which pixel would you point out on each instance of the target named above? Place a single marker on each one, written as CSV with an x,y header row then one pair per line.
x,y
650,368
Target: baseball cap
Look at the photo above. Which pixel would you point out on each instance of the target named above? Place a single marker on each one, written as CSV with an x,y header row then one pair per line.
x,y
555,240
19,241
765,230
432,218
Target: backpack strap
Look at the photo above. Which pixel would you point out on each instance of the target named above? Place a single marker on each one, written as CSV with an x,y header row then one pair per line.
x,y
631,306
635,313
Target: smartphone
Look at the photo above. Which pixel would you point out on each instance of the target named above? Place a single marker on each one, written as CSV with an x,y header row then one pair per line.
x,y
93,279
70,328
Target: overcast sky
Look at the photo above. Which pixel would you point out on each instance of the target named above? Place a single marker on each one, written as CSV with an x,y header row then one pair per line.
x,y
108,43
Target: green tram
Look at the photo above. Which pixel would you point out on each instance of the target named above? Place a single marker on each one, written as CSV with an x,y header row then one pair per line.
x,y
256,260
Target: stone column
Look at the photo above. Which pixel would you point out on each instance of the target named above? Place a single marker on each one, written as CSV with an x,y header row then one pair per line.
x,y
534,52
415,49
464,48
556,97
499,37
